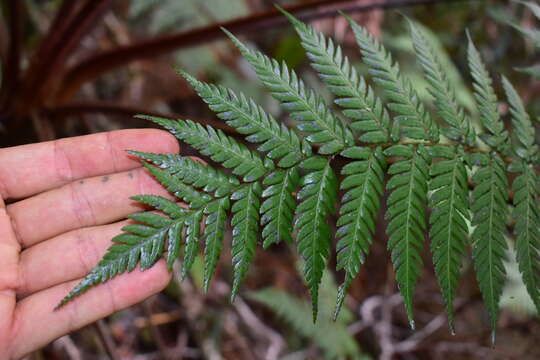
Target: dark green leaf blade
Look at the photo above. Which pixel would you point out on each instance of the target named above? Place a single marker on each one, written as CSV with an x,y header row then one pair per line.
x,y
245,223
358,213
277,210
489,210
406,212
317,200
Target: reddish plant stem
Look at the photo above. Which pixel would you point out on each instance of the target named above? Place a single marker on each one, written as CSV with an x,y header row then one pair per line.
x,y
45,78
92,67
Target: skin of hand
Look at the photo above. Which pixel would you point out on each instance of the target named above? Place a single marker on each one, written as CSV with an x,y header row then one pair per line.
x,y
61,203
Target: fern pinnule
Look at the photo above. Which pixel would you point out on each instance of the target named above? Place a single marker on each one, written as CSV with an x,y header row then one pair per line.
x,y
248,118
162,204
184,192
358,212
277,210
214,232
406,212
126,252
440,88
448,223
317,197
353,94
487,102
174,241
305,106
526,193
523,130
218,146
527,230
192,239
412,117
489,210
192,172
245,223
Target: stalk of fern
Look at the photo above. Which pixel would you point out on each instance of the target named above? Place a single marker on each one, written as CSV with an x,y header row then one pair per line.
x,y
284,187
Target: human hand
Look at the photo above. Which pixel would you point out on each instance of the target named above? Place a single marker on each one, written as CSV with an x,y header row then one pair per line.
x,y
66,200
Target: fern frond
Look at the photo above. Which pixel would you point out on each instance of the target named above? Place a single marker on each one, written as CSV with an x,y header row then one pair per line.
x,y
358,212
214,231
182,191
527,229
277,210
127,251
489,210
218,146
524,146
192,238
192,172
442,91
352,92
448,224
305,106
248,118
487,102
245,223
413,119
317,196
406,212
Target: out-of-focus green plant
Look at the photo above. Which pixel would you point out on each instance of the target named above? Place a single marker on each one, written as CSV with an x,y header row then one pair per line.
x,y
330,336
533,34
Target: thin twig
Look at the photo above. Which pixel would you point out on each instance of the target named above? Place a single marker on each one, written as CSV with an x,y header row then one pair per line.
x,y
106,339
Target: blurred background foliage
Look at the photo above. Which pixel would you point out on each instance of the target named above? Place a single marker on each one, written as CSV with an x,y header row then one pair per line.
x,y
77,67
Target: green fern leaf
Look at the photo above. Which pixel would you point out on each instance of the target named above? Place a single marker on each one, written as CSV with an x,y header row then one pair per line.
x,y
182,191
524,146
167,206
216,215
309,109
277,210
218,146
353,93
174,242
248,118
124,255
406,212
487,102
192,172
358,212
245,223
413,119
317,200
192,238
490,210
527,229
448,224
441,89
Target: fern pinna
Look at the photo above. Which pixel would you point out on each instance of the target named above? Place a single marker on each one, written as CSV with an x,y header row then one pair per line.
x,y
284,187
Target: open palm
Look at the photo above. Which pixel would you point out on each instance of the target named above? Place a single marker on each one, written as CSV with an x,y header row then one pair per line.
x,y
65,200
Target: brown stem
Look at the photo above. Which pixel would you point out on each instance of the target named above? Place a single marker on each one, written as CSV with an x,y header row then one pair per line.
x,y
92,67
45,77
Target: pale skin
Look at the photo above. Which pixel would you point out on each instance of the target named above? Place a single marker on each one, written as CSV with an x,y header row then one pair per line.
x,y
65,200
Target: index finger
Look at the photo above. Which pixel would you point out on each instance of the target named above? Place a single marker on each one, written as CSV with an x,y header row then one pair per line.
x,y
30,169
